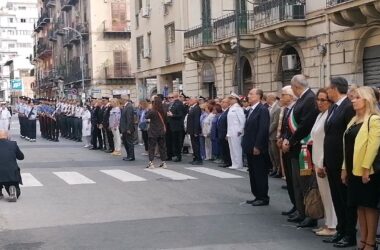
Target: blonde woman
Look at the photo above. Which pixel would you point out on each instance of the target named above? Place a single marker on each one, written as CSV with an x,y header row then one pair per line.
x,y
206,130
114,124
361,144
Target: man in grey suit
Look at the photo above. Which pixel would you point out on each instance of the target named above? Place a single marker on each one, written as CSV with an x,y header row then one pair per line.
x,y
274,153
127,128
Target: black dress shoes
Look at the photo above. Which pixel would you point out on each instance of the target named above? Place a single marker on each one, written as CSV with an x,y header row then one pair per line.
x,y
334,239
308,222
284,187
224,165
346,241
250,201
287,213
177,159
259,203
128,159
197,163
296,219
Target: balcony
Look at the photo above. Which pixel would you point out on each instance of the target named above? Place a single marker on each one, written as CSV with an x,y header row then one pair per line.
x,y
350,13
44,49
198,43
74,72
52,36
66,5
117,29
225,29
50,4
278,21
58,26
66,41
117,72
83,29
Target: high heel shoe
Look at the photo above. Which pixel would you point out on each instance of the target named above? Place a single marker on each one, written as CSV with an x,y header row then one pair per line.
x,y
363,245
370,245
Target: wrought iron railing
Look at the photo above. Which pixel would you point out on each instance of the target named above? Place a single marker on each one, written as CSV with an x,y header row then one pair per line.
x,y
198,36
117,26
274,11
43,46
117,72
331,3
225,26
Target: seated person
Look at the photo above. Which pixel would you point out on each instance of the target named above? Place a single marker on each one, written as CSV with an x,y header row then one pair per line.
x,y
10,176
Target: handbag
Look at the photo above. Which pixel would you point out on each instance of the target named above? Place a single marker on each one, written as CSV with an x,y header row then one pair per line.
x,y
313,201
376,162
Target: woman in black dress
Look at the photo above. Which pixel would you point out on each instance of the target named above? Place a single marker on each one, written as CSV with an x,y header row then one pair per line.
x,y
361,144
156,132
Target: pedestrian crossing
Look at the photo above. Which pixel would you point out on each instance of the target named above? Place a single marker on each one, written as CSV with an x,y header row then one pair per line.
x,y
79,178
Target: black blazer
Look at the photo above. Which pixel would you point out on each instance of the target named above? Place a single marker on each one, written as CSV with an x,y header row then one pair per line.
x,y
305,112
9,154
106,117
95,116
334,130
221,125
256,130
176,121
193,121
127,120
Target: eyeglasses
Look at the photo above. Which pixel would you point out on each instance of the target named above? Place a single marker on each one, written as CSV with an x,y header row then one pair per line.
x,y
170,97
322,100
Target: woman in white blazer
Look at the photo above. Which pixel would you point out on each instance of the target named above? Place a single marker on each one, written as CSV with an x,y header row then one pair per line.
x,y
318,135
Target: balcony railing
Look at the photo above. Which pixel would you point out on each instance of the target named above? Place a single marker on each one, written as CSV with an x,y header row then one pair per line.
x,y
331,3
197,37
59,25
117,28
52,36
275,11
117,72
66,5
83,29
225,26
43,48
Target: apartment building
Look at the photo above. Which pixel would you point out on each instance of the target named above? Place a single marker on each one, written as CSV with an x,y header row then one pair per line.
x,y
16,45
157,45
92,33
278,39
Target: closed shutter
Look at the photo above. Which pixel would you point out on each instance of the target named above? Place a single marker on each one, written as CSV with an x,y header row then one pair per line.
x,y
119,16
120,63
371,66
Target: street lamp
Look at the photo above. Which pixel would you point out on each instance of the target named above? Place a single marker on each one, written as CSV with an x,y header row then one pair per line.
x,y
81,59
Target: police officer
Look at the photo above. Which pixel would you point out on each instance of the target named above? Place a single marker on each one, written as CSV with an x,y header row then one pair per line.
x,y
31,111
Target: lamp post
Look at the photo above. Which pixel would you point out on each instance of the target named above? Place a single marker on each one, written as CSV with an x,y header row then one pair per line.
x,y
81,59
238,49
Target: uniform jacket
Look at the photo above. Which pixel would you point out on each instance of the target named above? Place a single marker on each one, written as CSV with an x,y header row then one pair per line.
x,y
334,130
256,130
176,121
235,120
9,154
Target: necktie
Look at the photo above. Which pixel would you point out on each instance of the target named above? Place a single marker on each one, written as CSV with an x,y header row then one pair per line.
x,y
332,112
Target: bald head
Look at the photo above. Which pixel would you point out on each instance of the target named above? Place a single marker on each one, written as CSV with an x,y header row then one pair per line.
x,y
3,134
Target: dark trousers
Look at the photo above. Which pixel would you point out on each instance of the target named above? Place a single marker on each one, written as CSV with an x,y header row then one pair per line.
x,y
225,151
128,142
196,145
346,215
169,145
78,128
144,135
111,143
160,142
70,125
23,125
258,175
177,143
31,129
54,129
289,176
300,185
96,135
6,185
48,127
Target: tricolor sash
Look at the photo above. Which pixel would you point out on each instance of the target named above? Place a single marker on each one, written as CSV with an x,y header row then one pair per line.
x,y
304,158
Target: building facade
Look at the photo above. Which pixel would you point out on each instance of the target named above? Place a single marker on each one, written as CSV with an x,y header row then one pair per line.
x,y
83,49
16,45
157,45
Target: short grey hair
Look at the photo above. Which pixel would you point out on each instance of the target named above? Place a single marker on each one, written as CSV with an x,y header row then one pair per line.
x,y
287,90
300,80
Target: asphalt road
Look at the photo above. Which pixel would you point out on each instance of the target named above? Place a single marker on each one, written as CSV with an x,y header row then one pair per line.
x,y
74,198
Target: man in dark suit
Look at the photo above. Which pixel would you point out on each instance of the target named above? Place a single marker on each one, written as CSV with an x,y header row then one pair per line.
x,y
96,133
255,145
127,128
222,134
175,120
194,129
301,121
107,132
340,114
10,176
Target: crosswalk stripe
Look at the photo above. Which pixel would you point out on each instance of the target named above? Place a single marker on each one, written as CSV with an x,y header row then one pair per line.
x,y
73,178
215,173
171,174
122,175
28,180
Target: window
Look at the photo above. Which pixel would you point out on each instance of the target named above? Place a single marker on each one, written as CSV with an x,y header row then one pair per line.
x,y
11,46
119,16
10,20
120,62
23,20
170,33
21,7
139,49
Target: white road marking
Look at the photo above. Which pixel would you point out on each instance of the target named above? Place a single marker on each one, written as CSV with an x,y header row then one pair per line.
x,y
122,175
216,173
28,180
73,178
171,174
